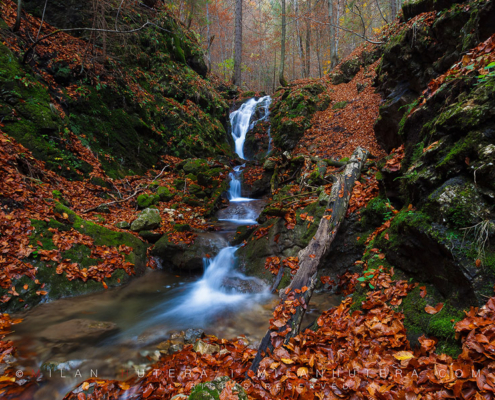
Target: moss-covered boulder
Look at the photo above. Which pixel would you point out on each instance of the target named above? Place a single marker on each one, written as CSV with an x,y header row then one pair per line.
x,y
145,200
165,194
32,292
278,241
147,219
292,110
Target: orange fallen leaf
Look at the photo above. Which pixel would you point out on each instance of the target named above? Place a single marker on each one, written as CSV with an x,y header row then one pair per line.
x,y
434,310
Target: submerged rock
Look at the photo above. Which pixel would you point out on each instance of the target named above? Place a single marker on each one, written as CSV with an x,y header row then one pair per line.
x,y
77,331
147,220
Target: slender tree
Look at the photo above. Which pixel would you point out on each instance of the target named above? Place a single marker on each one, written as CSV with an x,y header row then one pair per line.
x,y
238,43
17,24
281,77
308,40
333,48
393,8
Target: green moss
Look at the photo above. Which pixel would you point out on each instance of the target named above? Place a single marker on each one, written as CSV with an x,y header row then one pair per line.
x,y
441,325
145,201
339,105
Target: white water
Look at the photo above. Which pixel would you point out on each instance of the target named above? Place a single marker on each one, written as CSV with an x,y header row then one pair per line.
x,y
241,120
209,297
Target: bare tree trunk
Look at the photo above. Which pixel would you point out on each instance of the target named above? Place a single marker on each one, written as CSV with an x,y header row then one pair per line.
x,y
308,41
208,38
299,38
333,49
281,77
238,43
274,72
318,50
311,256
17,24
393,8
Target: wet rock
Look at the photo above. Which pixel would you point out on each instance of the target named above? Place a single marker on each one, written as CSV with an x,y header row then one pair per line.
x,y
175,346
188,257
269,165
78,331
191,335
252,285
148,219
205,348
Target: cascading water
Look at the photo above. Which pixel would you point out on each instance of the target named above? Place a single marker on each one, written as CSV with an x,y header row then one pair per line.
x,y
241,120
211,295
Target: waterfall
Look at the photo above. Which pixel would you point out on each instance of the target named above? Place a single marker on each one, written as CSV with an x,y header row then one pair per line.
x,y
241,120
210,297
214,294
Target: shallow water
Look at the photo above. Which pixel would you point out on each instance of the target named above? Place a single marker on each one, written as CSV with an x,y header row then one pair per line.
x,y
221,301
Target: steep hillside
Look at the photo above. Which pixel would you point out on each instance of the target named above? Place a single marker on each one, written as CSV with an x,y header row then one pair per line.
x,y
137,101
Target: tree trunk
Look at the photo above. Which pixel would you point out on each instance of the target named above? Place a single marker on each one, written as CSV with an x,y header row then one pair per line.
x,y
17,24
393,9
208,38
299,38
333,48
281,77
238,43
311,256
308,41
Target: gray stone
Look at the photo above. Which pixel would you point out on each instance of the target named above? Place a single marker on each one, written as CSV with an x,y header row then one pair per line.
x,y
191,335
148,219
123,225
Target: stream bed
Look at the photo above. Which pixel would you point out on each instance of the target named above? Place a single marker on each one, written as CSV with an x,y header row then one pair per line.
x,y
119,332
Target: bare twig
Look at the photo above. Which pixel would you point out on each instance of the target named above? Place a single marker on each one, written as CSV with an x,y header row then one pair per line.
x,y
42,20
127,198
31,48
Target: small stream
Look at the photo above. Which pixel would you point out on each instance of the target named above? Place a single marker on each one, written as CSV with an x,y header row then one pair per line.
x,y
151,308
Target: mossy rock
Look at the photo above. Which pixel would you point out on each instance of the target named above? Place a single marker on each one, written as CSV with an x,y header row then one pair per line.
x,y
195,166
441,325
145,200
59,286
165,194
148,219
212,390
291,114
280,241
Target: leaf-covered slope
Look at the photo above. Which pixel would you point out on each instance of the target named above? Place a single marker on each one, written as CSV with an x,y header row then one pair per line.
x,y
146,98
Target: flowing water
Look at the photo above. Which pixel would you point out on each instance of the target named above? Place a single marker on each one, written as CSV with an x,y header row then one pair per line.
x,y
222,301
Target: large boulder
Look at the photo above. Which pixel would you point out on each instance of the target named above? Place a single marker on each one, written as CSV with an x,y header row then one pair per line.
x,y
147,220
292,112
188,257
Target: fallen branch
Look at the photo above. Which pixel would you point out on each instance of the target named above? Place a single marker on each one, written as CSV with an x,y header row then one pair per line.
x,y
303,284
127,198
